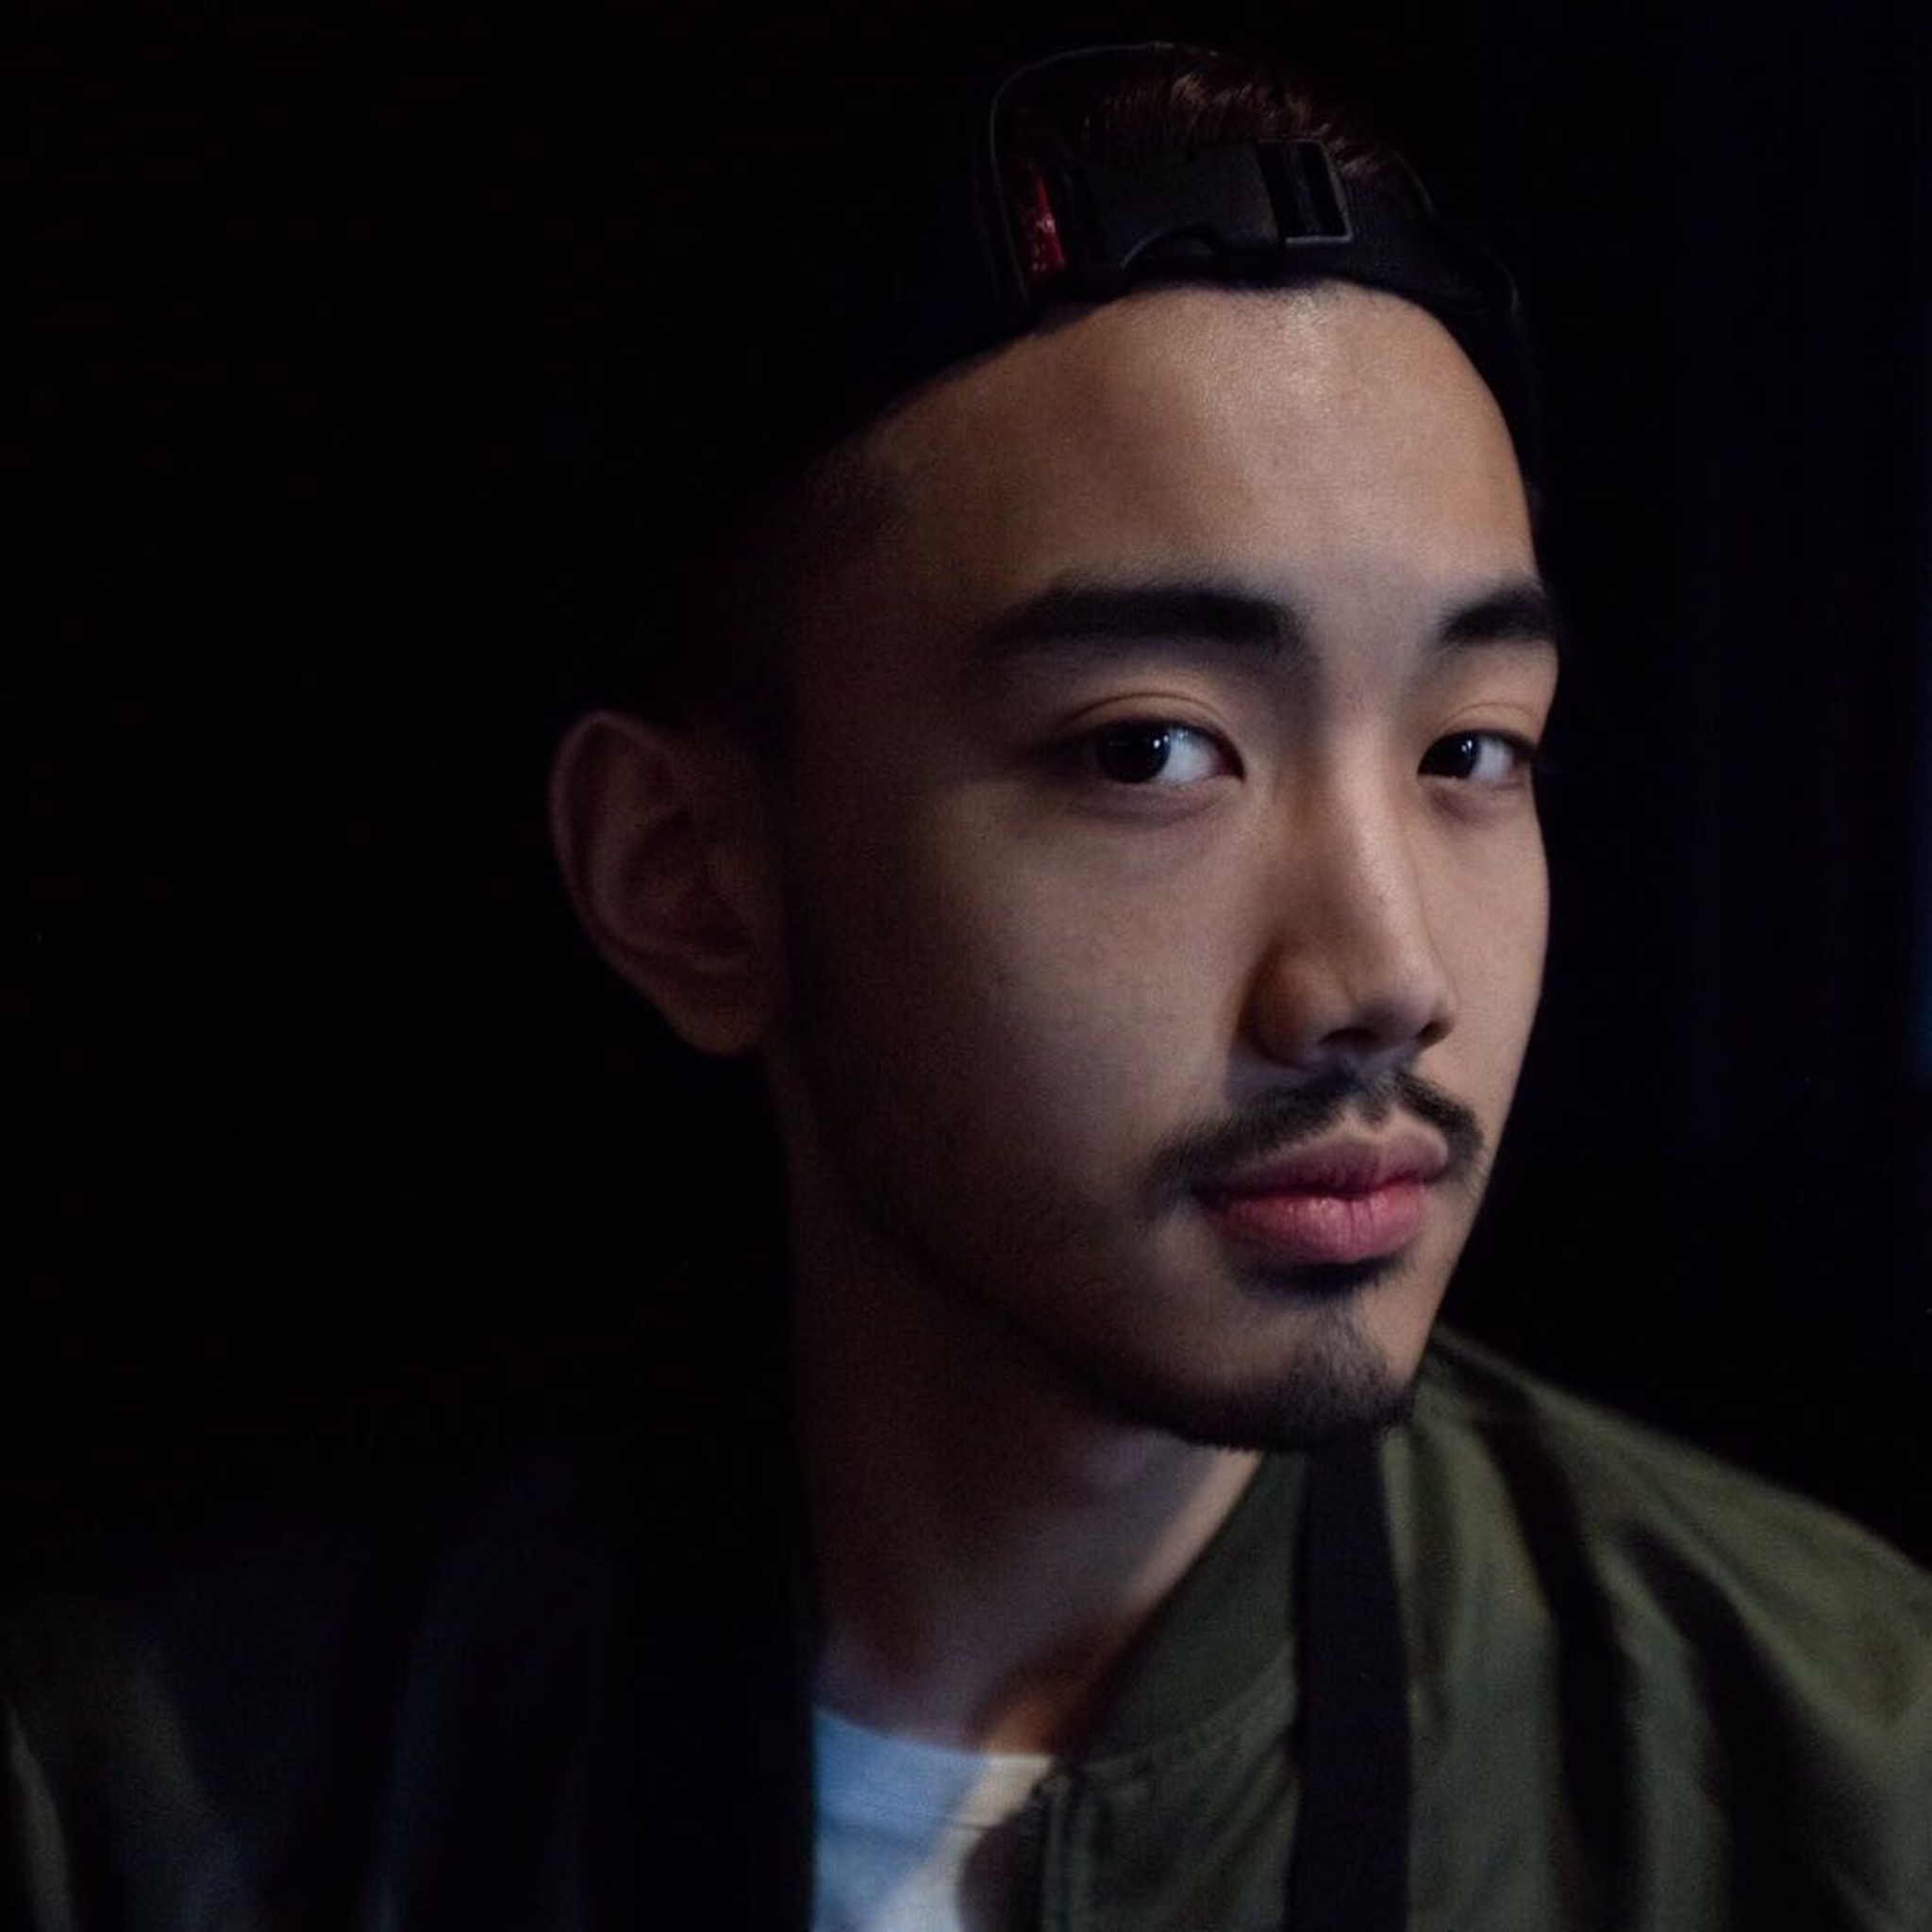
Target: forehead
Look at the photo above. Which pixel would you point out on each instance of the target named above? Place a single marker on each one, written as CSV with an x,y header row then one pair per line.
x,y
1330,445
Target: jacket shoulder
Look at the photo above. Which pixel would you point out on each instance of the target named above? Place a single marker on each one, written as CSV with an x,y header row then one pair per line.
x,y
1699,1684
1617,1481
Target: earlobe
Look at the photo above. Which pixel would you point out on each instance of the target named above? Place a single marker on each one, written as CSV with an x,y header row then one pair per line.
x,y
656,832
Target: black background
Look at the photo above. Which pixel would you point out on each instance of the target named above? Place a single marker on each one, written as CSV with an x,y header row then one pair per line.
x,y
337,1151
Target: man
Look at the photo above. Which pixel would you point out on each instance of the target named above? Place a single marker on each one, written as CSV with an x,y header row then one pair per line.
x,y
1088,770
1130,885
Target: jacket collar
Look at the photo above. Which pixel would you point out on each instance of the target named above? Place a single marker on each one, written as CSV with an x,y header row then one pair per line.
x,y
1229,1623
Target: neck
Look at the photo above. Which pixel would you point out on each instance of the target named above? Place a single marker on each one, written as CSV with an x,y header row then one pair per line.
x,y
988,1542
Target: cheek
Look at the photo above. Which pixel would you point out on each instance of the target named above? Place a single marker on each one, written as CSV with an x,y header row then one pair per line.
x,y
1030,1005
1493,922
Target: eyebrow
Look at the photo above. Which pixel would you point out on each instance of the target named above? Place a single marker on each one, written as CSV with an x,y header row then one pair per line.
x,y
1082,618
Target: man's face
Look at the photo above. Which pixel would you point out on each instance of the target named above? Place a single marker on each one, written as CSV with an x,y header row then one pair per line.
x,y
1157,819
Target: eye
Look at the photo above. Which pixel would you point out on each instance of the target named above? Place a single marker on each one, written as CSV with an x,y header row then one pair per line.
x,y
1155,752
1493,759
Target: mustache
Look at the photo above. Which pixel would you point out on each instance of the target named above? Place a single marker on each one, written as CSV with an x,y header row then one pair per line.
x,y
1199,1156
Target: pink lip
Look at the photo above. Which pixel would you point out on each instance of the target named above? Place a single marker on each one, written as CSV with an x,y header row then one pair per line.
x,y
1347,1201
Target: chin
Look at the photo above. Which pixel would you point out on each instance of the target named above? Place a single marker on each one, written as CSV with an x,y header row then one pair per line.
x,y
1340,1381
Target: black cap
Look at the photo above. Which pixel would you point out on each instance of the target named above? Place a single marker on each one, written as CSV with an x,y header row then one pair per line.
x,y
763,262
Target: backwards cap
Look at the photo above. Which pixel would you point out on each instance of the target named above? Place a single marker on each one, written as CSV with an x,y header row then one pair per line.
x,y
807,255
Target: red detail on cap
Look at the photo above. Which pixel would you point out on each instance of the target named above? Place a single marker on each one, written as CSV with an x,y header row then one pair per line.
x,y
1040,232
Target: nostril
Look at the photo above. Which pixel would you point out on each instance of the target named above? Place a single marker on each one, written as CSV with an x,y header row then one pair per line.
x,y
1356,1040
1400,1024
1363,1000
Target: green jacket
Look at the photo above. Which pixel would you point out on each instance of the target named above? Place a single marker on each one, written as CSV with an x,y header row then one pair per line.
x,y
1647,1693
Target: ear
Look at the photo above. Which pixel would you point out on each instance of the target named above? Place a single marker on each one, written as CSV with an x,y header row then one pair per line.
x,y
660,835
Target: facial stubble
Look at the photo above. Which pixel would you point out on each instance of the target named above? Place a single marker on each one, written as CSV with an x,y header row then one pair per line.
x,y
1339,1383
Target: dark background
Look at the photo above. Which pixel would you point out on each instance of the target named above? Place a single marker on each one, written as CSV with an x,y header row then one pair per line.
x,y
335,1149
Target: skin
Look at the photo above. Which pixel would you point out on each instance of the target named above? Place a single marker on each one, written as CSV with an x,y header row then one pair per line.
x,y
1001,994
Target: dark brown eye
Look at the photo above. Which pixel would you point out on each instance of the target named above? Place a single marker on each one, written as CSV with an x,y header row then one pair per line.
x,y
1133,754
1145,750
1483,758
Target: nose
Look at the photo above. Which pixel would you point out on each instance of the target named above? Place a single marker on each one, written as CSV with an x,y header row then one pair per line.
x,y
1351,978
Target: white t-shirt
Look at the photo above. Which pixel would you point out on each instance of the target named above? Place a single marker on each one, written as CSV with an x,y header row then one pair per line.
x,y
917,1837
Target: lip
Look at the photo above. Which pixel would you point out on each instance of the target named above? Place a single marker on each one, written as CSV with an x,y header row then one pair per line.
x,y
1340,1201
